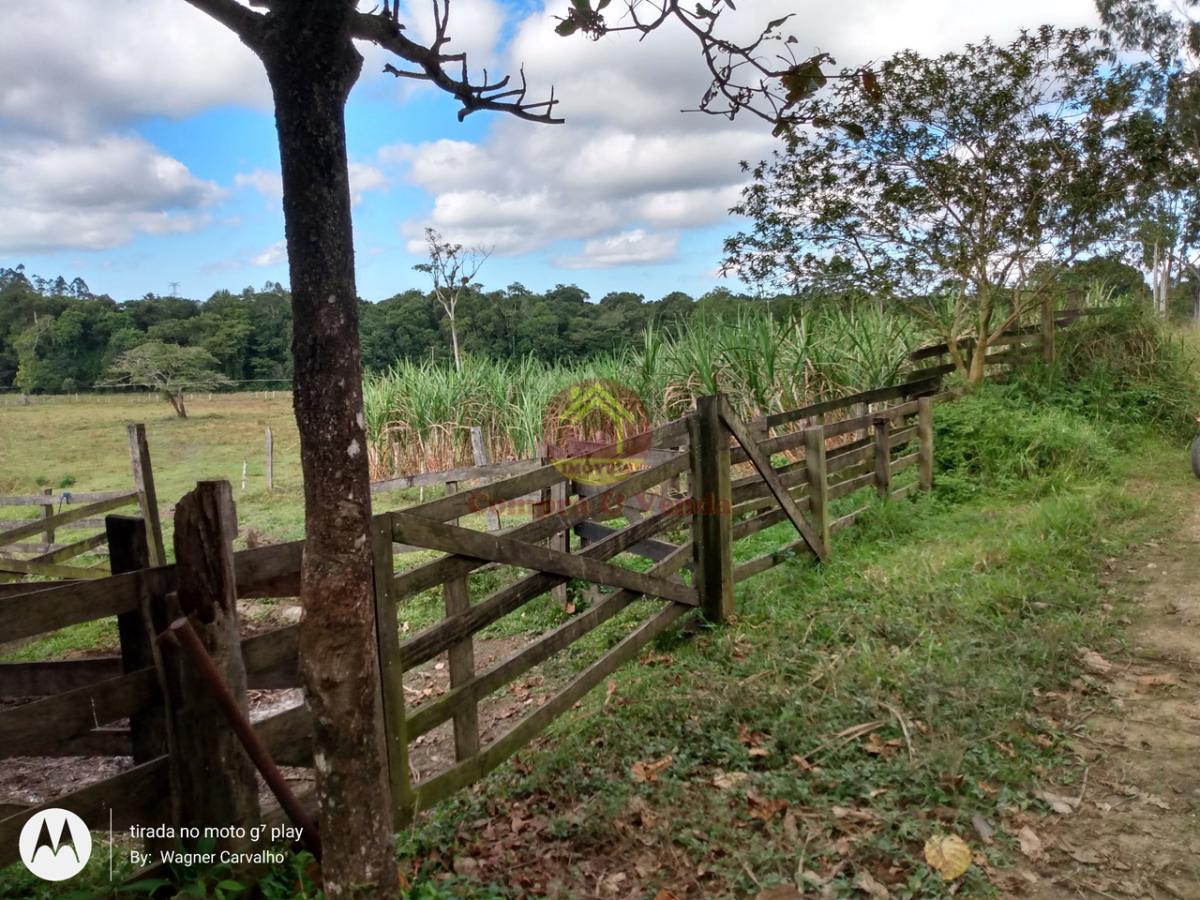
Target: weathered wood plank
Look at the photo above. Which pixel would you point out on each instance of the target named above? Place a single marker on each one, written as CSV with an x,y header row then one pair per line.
x,y
39,611
509,551
818,481
922,381
391,663
712,513
31,727
474,501
460,473
470,692
69,551
650,548
200,738
272,658
925,442
147,497
762,462
49,570
435,789
39,679
797,548
441,570
58,520
49,499
433,640
270,571
129,545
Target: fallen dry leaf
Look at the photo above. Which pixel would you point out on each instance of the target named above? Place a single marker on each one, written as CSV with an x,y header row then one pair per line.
x,y
779,892
868,885
726,780
948,855
1094,661
762,808
983,828
1064,806
1087,857
664,894
649,770
876,746
1031,844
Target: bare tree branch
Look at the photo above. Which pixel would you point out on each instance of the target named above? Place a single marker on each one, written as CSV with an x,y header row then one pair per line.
x,y
433,65
243,22
763,77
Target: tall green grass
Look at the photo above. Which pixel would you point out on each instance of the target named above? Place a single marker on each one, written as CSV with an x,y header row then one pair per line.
x,y
419,414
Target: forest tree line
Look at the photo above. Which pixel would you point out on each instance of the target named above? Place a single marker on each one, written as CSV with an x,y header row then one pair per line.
x,y
57,336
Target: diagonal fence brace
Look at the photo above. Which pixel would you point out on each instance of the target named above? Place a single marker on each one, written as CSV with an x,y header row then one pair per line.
x,y
763,464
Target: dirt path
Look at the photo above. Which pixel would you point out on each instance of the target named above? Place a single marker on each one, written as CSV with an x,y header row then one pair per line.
x,y
1133,828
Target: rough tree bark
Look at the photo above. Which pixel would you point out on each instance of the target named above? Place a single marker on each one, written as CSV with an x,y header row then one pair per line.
x,y
312,63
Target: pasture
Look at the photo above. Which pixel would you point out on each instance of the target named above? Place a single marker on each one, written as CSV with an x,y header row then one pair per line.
x,y
81,444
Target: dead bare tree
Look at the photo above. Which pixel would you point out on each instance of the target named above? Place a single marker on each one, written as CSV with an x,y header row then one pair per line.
x,y
453,268
308,50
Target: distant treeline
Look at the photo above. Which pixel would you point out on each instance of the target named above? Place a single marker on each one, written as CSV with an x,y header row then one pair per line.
x,y
57,336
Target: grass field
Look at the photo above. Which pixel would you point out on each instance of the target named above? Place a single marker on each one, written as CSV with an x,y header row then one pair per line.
x,y
82,445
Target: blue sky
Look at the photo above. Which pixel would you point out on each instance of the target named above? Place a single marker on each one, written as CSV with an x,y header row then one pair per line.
x,y
153,160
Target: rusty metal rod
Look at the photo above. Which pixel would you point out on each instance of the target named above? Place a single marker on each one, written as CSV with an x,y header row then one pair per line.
x,y
181,633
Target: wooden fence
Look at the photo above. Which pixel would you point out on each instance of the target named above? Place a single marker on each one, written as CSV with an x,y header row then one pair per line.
x,y
22,554
694,489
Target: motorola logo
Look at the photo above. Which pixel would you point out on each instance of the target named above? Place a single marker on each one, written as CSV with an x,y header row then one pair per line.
x,y
55,844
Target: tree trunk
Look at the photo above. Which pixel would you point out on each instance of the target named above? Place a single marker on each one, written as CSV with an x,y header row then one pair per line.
x,y
976,369
176,398
454,345
312,64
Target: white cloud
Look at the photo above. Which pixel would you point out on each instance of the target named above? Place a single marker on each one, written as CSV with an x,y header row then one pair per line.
x,y
75,68
364,178
270,256
627,248
94,195
269,184
628,161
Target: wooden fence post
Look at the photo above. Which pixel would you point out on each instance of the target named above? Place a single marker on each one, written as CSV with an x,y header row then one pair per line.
x,y
1048,328
47,512
712,519
818,481
479,451
456,594
270,451
211,775
925,442
143,481
391,668
561,540
883,456
129,551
